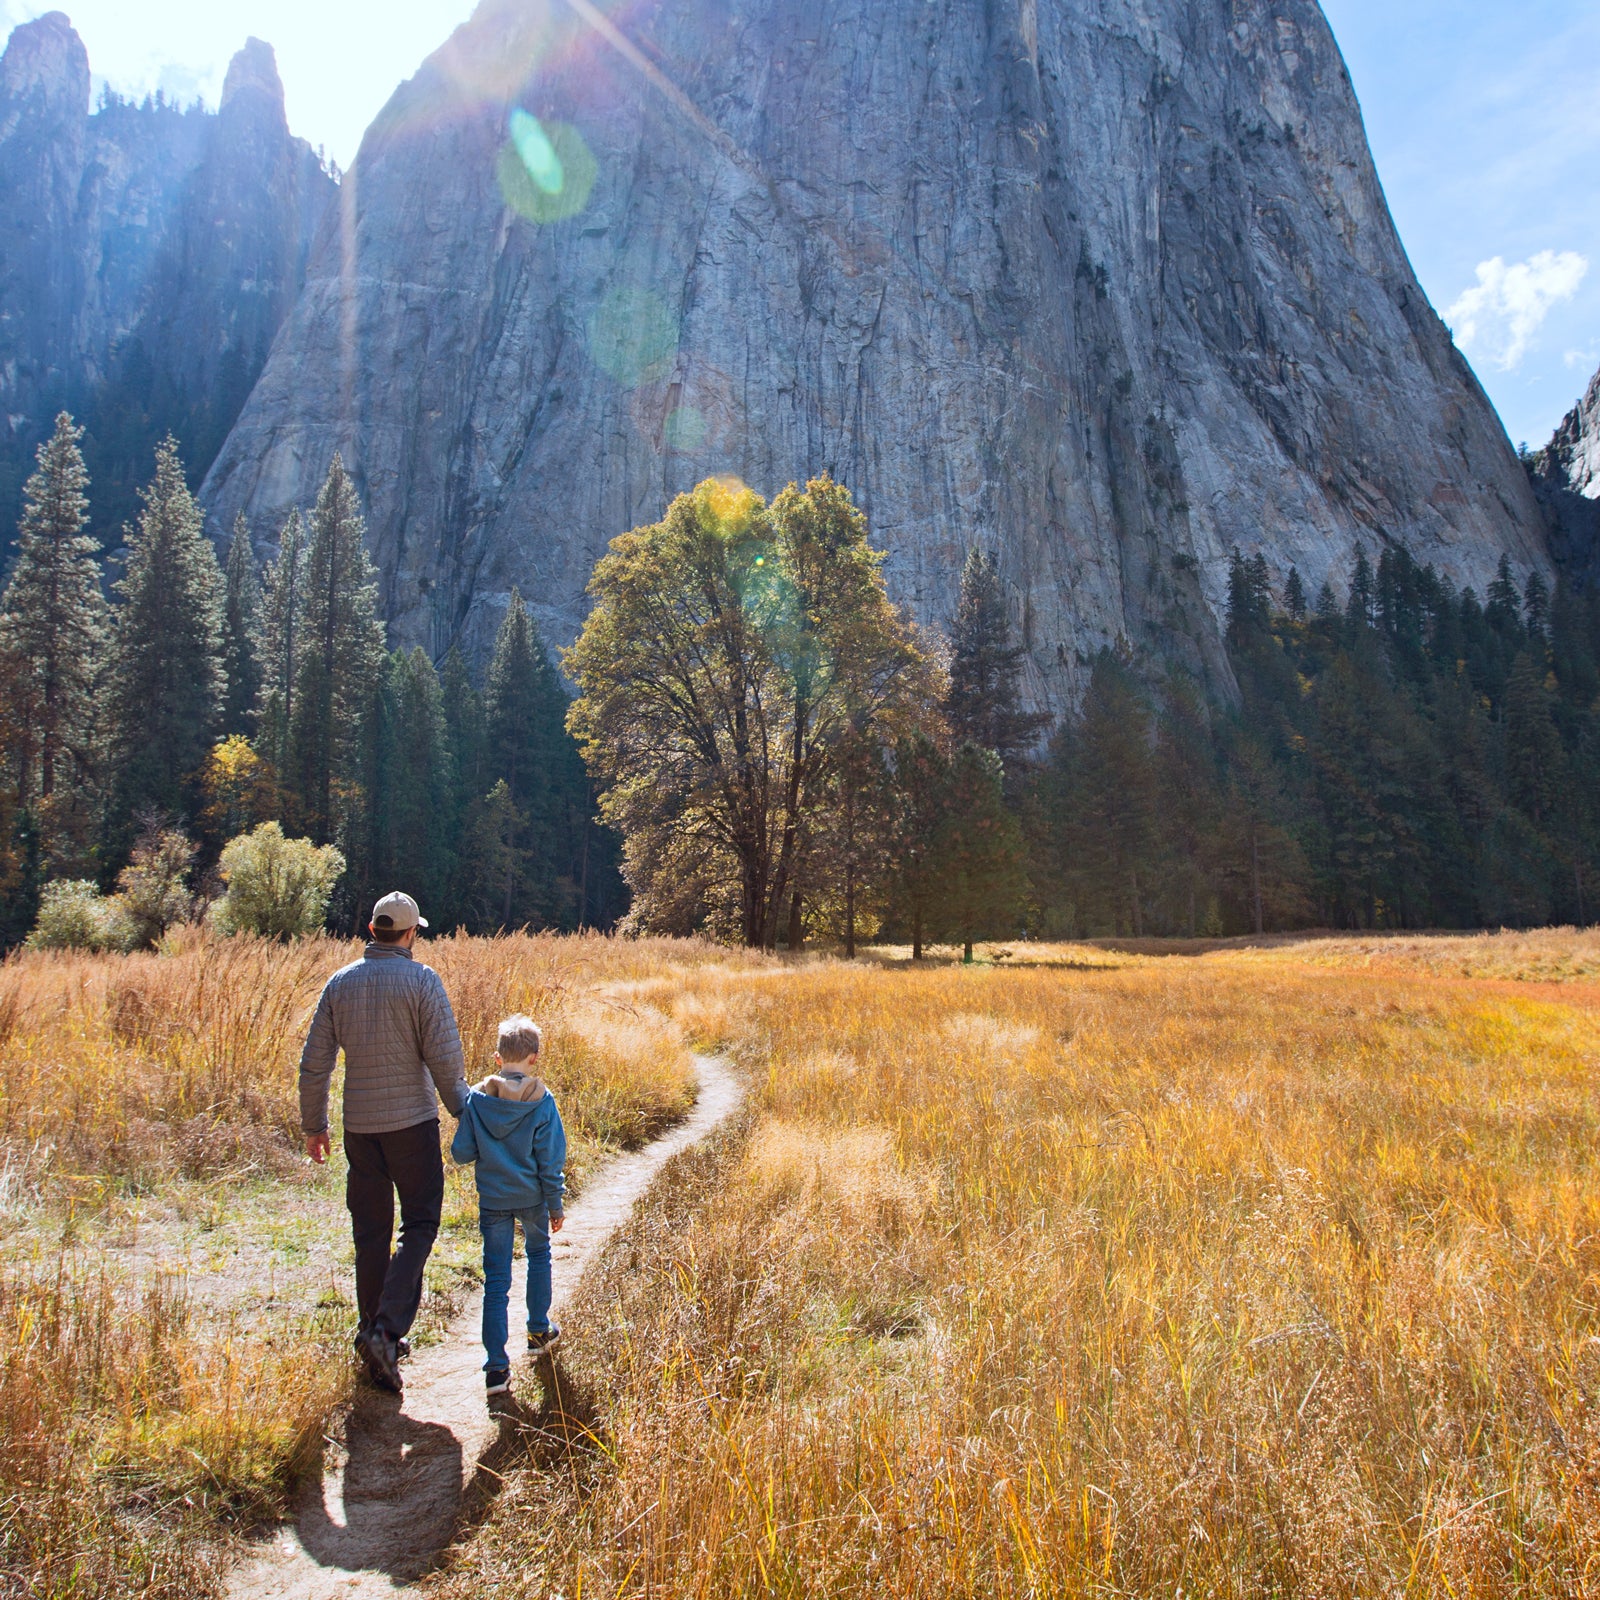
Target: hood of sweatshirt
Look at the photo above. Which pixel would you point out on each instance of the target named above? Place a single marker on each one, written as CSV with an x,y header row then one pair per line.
x,y
502,1118
511,1084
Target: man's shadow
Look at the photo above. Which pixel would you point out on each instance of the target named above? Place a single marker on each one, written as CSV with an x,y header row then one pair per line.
x,y
404,1501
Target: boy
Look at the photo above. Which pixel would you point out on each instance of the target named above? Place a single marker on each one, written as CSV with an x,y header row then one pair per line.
x,y
510,1127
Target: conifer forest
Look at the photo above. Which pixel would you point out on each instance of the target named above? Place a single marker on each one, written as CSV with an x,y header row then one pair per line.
x,y
765,748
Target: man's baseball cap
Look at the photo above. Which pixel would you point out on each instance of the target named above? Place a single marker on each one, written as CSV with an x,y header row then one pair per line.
x,y
396,912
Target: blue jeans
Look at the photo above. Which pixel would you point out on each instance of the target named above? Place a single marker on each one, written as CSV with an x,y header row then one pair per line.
x,y
499,1229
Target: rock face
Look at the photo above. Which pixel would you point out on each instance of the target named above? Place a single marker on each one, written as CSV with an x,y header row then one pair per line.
x,y
150,255
1107,285
1566,481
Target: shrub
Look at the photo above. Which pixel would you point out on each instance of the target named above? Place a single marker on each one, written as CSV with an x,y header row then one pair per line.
x,y
153,887
74,915
277,887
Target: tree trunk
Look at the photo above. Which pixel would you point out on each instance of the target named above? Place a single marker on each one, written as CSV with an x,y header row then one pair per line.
x,y
916,936
1138,913
966,953
850,914
796,925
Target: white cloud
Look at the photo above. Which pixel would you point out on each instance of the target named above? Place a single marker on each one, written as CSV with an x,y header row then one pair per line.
x,y
1501,313
1583,360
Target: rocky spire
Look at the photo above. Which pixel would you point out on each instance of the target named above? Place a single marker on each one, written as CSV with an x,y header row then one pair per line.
x,y
44,74
253,78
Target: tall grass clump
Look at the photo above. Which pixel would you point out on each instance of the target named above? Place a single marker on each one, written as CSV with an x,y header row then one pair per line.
x,y
1228,1276
132,1423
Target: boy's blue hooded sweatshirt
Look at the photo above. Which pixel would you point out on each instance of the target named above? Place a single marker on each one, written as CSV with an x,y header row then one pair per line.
x,y
520,1148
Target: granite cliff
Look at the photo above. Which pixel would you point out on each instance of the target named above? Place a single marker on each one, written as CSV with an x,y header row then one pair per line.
x,y
150,254
1109,285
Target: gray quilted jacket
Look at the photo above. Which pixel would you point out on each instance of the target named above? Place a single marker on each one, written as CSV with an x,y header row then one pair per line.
x,y
392,1018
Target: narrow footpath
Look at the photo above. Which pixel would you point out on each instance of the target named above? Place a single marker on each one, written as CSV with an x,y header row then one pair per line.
x,y
397,1491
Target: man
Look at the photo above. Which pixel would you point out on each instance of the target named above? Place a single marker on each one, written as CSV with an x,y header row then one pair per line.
x,y
392,1018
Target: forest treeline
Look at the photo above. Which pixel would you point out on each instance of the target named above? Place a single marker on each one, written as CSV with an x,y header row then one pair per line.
x,y
1404,756
196,701
769,749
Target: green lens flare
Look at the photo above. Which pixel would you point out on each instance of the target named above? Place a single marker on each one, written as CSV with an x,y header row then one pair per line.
x,y
685,428
633,335
545,170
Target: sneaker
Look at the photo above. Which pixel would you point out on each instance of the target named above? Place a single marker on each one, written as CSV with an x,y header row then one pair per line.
x,y
378,1349
497,1380
543,1343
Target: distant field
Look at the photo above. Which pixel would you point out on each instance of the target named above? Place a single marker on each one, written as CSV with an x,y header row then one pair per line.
x,y
1270,1271
1267,1267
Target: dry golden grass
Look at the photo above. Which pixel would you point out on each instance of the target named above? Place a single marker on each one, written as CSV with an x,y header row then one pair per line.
x,y
152,1390
1256,1273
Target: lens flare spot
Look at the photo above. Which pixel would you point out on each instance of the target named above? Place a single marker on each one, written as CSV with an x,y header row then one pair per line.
x,y
538,154
545,170
685,428
729,499
633,335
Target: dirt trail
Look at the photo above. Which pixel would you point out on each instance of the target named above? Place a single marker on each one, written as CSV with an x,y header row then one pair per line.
x,y
400,1486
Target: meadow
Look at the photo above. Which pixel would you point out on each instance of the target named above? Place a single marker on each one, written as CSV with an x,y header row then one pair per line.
x,y
175,1294
1270,1271
1080,1270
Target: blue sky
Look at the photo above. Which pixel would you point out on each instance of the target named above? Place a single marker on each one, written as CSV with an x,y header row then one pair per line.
x,y
1484,116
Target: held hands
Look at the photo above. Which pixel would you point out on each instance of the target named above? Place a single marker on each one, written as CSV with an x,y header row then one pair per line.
x,y
317,1147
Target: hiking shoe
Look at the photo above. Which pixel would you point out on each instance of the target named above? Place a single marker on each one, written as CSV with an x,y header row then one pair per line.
x,y
378,1350
497,1380
543,1343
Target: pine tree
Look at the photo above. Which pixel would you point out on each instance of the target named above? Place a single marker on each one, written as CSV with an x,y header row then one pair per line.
x,y
1110,799
412,844
983,705
241,631
1294,596
166,680
53,637
1186,778
980,852
854,842
468,782
282,623
337,672
1361,609
1249,599
1503,608
921,792
527,749
1536,610
1535,766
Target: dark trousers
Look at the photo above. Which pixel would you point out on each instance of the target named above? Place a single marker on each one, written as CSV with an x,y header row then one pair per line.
x,y
406,1162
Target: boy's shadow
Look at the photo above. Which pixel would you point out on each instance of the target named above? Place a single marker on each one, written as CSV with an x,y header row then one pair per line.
x,y
557,1435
